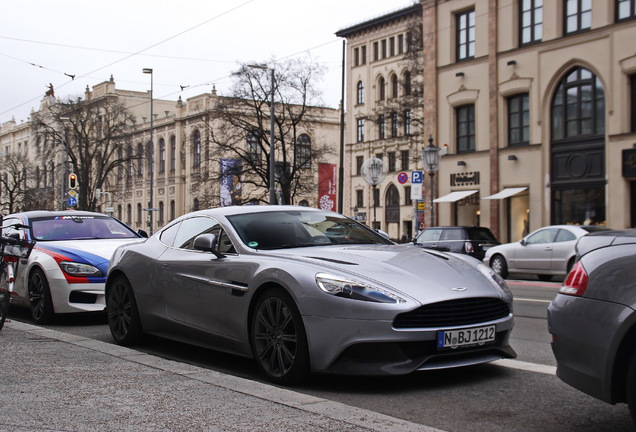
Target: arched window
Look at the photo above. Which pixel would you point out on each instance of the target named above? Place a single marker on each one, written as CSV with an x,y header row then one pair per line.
x,y
162,155
196,148
173,154
253,148
131,164
394,86
303,203
44,176
161,212
360,99
407,83
195,204
129,214
381,89
139,214
120,212
303,152
172,210
149,157
578,107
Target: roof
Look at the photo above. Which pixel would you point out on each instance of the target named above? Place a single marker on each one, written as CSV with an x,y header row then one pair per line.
x,y
52,213
384,19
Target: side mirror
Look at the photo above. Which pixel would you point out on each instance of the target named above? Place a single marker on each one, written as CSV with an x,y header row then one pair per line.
x,y
142,233
207,243
523,242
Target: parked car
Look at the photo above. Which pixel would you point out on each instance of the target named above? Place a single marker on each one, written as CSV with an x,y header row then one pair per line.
x,y
473,241
546,252
301,289
593,319
66,270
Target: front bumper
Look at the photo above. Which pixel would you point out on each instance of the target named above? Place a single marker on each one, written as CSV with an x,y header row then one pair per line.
x,y
365,347
77,297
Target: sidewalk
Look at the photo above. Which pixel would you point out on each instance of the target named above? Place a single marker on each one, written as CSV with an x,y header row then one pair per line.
x,y
54,381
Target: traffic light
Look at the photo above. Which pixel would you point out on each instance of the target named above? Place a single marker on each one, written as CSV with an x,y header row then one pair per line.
x,y
72,181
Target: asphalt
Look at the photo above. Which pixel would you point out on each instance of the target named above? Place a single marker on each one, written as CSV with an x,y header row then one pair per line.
x,y
55,381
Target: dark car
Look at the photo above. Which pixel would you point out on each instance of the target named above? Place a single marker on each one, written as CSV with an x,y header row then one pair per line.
x,y
593,319
473,241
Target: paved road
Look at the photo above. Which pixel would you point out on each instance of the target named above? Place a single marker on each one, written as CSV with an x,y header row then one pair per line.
x,y
522,395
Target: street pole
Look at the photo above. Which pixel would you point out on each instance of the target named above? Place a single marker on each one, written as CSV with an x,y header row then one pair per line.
x,y
272,155
152,151
65,169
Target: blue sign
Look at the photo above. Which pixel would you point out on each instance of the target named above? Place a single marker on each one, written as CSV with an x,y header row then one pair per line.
x,y
72,201
417,177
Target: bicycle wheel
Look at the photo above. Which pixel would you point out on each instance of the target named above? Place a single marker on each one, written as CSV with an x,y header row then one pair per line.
x,y
5,293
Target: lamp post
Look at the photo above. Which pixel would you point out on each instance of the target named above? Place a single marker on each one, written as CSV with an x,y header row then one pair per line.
x,y
272,156
65,169
430,156
152,151
373,172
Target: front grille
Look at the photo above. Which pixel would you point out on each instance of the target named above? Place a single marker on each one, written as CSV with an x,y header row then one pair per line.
x,y
453,313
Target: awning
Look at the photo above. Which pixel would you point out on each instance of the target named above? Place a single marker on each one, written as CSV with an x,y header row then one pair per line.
x,y
455,196
506,193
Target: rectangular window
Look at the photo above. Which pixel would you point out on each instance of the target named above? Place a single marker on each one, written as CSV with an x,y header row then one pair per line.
x,y
359,198
383,48
392,161
407,122
625,10
356,56
465,128
376,52
404,158
379,156
364,55
407,196
519,119
531,21
376,197
632,80
359,162
381,126
360,136
392,46
400,44
578,15
465,35
394,125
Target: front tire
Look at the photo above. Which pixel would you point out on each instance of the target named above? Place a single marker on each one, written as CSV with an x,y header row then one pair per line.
x,y
630,386
5,298
278,338
40,298
123,313
499,265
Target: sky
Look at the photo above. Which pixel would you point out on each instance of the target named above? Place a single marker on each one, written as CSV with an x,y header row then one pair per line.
x,y
194,43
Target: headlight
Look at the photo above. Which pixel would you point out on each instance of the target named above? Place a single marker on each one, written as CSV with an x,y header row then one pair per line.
x,y
355,290
79,269
497,280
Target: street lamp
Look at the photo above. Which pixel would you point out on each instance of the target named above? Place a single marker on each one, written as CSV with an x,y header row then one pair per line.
x,y
65,170
373,172
272,156
430,156
152,151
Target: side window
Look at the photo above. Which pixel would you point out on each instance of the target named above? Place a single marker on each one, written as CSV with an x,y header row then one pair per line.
x,y
167,236
429,235
453,234
564,235
543,236
191,228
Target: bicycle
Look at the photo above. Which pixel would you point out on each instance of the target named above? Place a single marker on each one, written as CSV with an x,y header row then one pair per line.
x,y
12,249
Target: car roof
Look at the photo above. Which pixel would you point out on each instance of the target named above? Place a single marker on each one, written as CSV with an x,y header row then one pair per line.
x,y
231,210
35,214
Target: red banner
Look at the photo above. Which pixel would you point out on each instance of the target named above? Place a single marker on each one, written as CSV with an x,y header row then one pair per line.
x,y
327,186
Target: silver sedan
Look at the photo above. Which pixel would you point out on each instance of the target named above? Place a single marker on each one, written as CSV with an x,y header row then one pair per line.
x,y
301,289
547,252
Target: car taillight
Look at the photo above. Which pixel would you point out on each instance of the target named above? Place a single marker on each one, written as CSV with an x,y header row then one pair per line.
x,y
10,258
576,281
469,247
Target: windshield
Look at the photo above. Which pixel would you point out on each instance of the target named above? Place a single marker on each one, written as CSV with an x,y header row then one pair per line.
x,y
79,228
289,229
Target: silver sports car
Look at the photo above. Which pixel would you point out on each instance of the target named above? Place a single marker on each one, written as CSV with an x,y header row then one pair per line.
x,y
301,289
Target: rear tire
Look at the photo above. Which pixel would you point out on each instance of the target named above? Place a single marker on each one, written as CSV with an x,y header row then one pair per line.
x,y
499,265
123,313
545,278
630,386
40,298
5,296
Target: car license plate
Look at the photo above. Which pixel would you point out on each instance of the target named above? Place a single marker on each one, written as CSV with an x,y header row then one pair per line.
x,y
470,336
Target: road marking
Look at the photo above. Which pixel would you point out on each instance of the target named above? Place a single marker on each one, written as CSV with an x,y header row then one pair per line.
x,y
531,300
526,366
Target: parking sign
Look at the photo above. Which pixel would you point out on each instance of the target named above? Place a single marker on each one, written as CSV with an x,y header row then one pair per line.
x,y
417,177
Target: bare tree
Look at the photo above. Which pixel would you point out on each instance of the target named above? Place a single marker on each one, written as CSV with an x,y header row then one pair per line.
x,y
240,129
92,135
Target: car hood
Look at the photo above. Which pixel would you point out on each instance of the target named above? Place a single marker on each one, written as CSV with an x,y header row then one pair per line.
x,y
419,273
97,252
